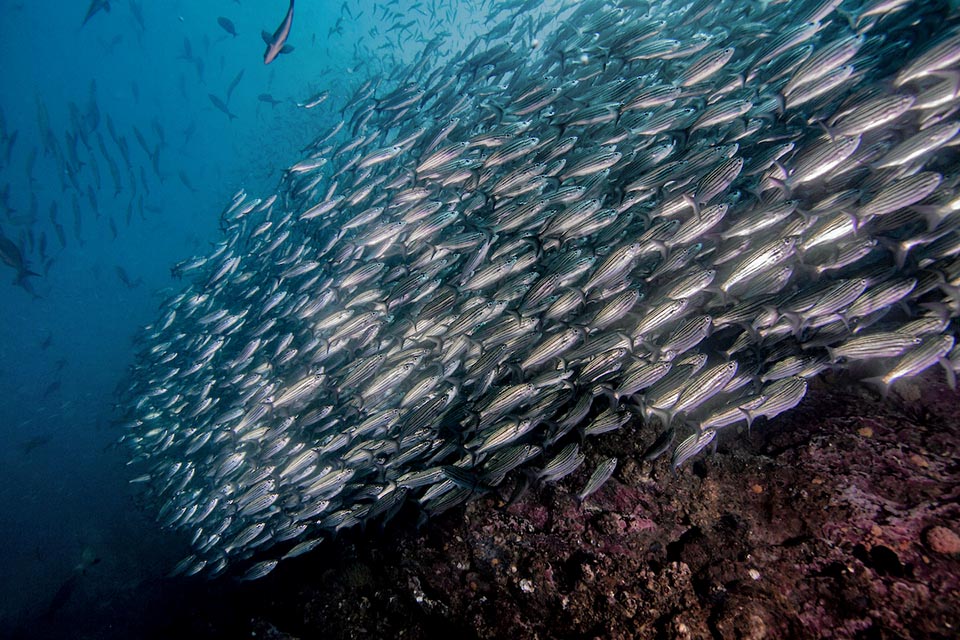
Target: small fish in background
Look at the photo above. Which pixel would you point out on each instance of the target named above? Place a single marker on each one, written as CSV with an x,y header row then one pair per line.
x,y
137,10
142,140
277,43
124,277
51,389
91,119
185,179
63,593
5,200
227,25
11,256
109,45
9,141
189,131
233,84
31,162
187,50
95,7
269,99
35,442
221,105
337,28
158,128
47,341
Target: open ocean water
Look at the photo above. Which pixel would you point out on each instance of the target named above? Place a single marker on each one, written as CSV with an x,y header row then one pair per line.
x,y
128,89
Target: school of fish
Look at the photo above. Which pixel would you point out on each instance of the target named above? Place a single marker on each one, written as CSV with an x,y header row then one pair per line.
x,y
657,217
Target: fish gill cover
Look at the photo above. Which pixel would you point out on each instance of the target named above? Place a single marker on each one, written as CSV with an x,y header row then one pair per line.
x,y
661,217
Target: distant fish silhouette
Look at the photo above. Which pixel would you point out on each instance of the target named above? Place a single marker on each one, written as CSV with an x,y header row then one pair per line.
x,y
233,84
34,443
269,99
227,25
185,179
125,279
11,255
95,6
52,388
62,595
219,104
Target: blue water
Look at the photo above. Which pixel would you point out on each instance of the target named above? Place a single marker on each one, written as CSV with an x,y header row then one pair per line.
x,y
66,344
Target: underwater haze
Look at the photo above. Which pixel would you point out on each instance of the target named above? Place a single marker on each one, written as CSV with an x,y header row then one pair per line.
x,y
115,164
275,270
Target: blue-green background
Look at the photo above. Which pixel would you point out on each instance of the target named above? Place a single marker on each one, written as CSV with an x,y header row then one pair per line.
x,y
63,485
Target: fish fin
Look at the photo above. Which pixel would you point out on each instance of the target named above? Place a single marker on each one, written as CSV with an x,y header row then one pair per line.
x,y
781,101
662,249
755,193
827,130
878,384
939,308
665,415
842,317
780,184
951,374
660,445
931,213
852,20
902,304
951,291
611,394
854,219
690,200
900,254
519,490
286,49
831,352
795,320
266,37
